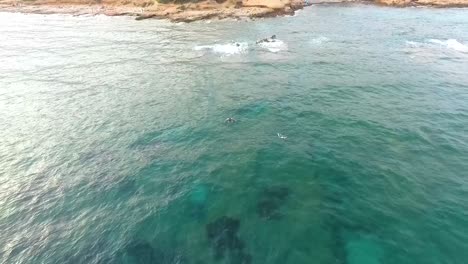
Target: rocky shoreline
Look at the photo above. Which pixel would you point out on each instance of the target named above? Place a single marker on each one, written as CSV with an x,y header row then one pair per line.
x,y
177,11
143,9
424,3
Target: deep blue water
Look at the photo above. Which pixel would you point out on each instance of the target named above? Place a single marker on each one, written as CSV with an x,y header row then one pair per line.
x,y
114,149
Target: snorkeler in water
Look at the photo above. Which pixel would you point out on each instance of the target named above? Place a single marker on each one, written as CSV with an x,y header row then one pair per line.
x,y
266,40
282,136
230,120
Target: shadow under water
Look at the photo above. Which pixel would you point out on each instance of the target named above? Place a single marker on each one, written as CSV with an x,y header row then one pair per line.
x,y
223,237
270,202
354,241
142,252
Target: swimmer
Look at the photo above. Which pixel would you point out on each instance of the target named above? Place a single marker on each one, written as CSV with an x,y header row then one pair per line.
x,y
271,39
230,120
236,43
282,136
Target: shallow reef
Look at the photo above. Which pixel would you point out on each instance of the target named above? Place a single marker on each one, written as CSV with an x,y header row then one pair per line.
x,y
270,202
223,237
141,251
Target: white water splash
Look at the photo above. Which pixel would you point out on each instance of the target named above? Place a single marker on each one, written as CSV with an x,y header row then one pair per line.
x,y
414,44
319,40
452,44
282,136
434,48
225,49
274,46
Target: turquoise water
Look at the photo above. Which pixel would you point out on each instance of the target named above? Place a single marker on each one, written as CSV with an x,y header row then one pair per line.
x,y
114,149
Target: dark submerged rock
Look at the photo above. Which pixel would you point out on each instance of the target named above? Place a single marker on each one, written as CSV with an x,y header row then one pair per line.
x,y
127,186
144,253
223,226
222,234
141,252
270,202
268,209
277,192
197,212
241,258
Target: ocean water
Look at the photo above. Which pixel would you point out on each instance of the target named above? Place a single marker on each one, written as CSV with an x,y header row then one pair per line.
x,y
350,146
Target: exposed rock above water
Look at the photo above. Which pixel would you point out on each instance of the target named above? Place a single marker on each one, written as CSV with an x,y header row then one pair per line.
x,y
193,10
177,11
434,3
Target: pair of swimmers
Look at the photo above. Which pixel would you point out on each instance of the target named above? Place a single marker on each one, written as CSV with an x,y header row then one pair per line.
x,y
265,40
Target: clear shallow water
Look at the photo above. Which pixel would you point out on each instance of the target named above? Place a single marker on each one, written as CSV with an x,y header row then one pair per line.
x,y
114,150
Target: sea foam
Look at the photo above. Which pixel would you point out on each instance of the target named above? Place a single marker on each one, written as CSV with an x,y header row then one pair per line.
x,y
319,40
225,49
274,46
452,44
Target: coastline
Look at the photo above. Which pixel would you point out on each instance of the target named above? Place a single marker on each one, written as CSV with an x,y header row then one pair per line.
x,y
424,3
189,12
143,9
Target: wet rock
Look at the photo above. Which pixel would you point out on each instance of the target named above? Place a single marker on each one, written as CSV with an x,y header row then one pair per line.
x,y
270,202
170,9
145,16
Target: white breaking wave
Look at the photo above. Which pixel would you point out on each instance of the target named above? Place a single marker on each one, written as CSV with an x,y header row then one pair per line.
x,y
274,46
225,49
414,44
431,44
452,44
319,40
